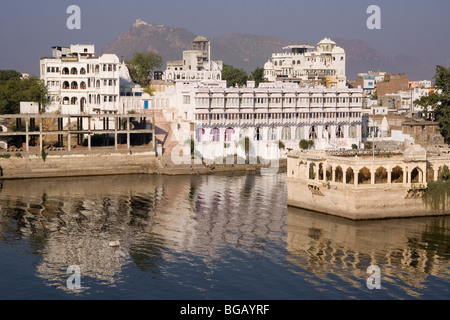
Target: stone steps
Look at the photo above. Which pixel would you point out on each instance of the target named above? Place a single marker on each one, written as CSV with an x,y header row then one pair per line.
x,y
164,132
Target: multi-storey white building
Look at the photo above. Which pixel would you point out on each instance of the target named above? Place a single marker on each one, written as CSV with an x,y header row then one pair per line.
x,y
80,82
196,64
301,64
274,111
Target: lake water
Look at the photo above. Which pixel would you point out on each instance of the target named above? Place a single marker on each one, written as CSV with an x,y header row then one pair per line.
x,y
205,237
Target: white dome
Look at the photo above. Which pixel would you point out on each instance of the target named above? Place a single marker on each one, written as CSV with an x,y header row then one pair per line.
x,y
200,39
327,41
268,65
124,72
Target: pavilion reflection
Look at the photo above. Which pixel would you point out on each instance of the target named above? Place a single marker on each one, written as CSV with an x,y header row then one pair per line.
x,y
406,250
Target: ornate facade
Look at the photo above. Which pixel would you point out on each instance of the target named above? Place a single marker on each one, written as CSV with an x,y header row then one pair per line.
x,y
303,65
276,111
365,186
80,82
196,64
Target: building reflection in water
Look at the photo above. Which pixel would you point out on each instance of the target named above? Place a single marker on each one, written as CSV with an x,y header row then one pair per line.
x,y
155,218
159,220
408,251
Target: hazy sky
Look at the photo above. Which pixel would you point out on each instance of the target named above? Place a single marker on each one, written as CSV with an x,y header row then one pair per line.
x,y
28,28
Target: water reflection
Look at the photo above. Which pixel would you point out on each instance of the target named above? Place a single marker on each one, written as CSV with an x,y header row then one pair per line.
x,y
408,251
213,235
155,219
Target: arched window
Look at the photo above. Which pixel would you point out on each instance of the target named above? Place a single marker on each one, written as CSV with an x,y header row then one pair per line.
x,y
339,132
312,171
339,174
228,134
82,71
97,84
66,100
82,104
416,175
312,133
66,85
65,71
397,175
349,176
215,134
73,100
364,176
299,133
243,133
321,168
286,134
352,132
272,134
258,134
73,71
199,134
74,85
83,85
443,173
381,175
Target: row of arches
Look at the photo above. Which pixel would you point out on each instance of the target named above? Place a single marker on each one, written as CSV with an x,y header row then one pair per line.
x,y
83,70
192,75
381,175
73,71
74,101
287,133
74,85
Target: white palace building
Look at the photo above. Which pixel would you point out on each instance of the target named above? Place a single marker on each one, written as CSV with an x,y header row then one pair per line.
x,y
286,111
198,104
302,64
276,111
196,63
80,82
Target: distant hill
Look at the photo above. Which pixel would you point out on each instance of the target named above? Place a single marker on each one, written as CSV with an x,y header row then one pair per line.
x,y
246,51
166,41
250,51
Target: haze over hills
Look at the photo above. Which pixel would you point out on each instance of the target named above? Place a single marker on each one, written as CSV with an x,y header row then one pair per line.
x,y
251,51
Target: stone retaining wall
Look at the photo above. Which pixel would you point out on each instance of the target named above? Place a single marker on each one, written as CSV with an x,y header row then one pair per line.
x,y
78,165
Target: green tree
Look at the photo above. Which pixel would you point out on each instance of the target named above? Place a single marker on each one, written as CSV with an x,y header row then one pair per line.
x,y
6,75
142,65
306,144
442,79
258,76
426,102
439,102
13,90
234,76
